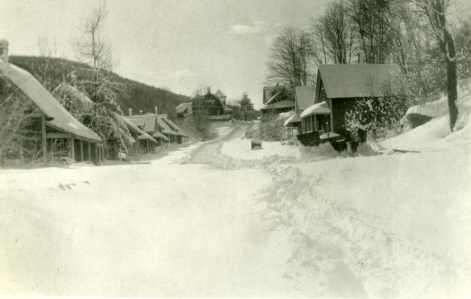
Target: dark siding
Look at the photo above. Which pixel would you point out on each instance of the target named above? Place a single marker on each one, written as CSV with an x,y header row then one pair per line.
x,y
340,108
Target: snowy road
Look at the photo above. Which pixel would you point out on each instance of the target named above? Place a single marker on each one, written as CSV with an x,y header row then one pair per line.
x,y
162,229
381,226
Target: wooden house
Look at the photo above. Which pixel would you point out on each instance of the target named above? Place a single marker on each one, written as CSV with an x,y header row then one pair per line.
x,y
180,136
279,100
338,88
166,129
210,106
149,124
61,135
304,97
139,138
223,98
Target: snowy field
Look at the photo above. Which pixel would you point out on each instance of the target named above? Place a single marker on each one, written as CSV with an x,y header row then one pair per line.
x,y
217,219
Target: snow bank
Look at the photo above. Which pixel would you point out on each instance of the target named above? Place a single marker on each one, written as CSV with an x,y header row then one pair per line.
x,y
385,226
436,134
323,150
240,148
433,109
426,136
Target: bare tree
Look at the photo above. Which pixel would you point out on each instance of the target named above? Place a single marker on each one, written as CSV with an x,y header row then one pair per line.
x,y
436,12
335,34
291,58
93,49
372,19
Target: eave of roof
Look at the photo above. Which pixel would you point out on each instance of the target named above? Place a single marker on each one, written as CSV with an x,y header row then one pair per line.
x,y
282,104
159,135
319,108
295,118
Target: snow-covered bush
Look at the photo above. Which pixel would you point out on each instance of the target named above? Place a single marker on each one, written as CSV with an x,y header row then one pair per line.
x,y
272,128
17,140
380,116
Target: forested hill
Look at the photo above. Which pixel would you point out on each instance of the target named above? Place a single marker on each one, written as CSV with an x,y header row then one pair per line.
x,y
135,95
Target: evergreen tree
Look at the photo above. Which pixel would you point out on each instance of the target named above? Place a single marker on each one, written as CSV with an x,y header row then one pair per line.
x,y
246,105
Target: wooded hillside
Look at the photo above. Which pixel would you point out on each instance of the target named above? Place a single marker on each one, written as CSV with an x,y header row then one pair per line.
x,y
132,94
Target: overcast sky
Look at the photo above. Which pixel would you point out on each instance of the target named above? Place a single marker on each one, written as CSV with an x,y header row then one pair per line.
x,y
177,44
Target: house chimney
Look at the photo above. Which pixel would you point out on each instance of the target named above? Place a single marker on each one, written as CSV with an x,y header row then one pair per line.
x,y
130,111
361,58
4,56
156,110
209,89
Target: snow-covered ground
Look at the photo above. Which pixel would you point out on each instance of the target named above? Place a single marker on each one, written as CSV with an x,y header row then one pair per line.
x,y
277,224
160,229
240,148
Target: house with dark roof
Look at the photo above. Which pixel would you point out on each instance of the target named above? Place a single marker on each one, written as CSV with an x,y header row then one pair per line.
x,y
221,96
60,133
338,88
280,100
211,106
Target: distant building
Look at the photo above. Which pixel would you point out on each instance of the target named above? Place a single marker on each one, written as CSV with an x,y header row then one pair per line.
x,y
212,106
177,135
150,125
183,110
277,99
139,138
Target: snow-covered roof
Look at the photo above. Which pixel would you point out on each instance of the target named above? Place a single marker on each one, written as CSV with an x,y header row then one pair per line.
x,y
165,127
75,93
319,108
282,104
148,121
295,118
305,97
273,98
174,127
59,117
219,94
141,134
183,107
355,80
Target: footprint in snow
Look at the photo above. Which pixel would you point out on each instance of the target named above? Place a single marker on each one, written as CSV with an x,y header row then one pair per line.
x,y
62,186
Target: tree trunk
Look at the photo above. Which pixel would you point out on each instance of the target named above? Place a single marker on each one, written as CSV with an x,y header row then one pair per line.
x,y
451,77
